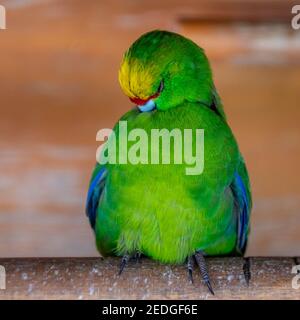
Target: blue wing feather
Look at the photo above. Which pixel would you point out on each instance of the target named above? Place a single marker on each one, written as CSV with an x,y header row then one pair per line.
x,y
93,196
243,211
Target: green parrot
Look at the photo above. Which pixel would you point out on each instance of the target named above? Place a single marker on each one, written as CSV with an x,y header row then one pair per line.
x,y
157,210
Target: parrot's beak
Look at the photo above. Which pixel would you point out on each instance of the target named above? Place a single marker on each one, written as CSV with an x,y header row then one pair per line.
x,y
148,106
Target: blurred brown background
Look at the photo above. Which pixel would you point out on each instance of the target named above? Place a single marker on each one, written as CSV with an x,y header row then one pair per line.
x,y
58,86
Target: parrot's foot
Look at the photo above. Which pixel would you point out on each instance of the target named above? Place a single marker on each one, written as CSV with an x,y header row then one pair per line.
x,y
190,266
246,269
203,270
124,262
137,257
125,259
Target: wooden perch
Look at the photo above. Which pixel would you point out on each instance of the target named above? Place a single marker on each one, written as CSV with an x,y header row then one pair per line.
x,y
96,278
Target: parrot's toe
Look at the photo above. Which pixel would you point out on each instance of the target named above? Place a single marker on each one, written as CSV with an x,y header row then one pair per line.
x,y
246,269
124,263
190,267
125,259
200,260
137,257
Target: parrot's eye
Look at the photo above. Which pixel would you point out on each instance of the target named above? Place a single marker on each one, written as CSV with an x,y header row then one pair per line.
x,y
161,87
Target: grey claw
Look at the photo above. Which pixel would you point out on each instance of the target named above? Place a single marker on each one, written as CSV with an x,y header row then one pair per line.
x,y
203,270
124,262
190,266
246,270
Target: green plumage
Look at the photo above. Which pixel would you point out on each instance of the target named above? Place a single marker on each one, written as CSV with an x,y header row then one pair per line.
x,y
159,210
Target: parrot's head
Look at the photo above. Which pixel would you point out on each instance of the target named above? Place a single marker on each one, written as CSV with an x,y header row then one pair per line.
x,y
163,69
